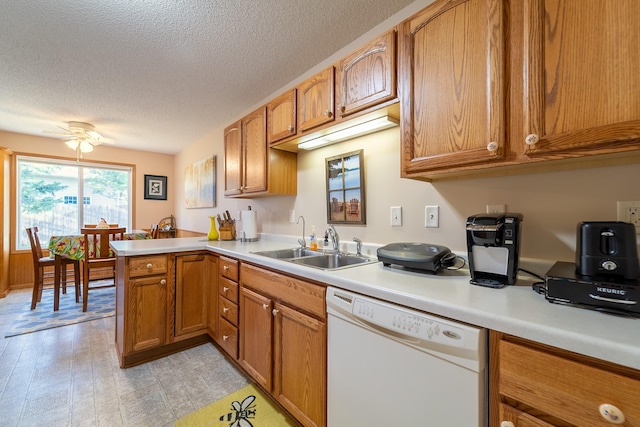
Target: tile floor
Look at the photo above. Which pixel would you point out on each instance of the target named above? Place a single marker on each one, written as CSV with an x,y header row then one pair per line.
x,y
69,376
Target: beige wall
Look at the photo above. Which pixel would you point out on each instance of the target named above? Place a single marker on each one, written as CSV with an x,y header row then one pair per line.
x,y
146,211
552,203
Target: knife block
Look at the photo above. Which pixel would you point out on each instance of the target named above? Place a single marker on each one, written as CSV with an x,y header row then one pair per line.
x,y
228,231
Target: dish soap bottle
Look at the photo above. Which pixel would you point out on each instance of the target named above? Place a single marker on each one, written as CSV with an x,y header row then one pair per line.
x,y
313,240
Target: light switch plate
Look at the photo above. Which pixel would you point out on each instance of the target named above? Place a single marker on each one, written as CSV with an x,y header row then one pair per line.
x,y
431,216
396,216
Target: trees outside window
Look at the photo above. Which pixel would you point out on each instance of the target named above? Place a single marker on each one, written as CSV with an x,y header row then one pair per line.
x,y
49,194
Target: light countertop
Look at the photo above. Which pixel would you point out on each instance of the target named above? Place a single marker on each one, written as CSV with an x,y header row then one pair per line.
x,y
515,310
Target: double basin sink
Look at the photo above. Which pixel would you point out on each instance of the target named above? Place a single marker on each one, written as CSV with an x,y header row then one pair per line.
x,y
317,259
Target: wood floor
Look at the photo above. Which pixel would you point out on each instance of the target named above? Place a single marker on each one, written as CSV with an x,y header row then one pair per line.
x,y
69,376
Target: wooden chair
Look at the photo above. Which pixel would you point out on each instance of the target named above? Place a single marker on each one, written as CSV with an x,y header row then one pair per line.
x,y
155,229
97,255
40,262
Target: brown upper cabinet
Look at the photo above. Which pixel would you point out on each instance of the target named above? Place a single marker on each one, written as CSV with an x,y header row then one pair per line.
x,y
316,100
452,69
572,78
233,159
251,168
281,117
580,76
367,77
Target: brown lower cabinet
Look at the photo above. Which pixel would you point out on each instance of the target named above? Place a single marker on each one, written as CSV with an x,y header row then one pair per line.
x,y
538,386
282,340
161,304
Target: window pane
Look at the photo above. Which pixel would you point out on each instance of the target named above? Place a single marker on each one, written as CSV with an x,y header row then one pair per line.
x,y
59,197
42,191
106,195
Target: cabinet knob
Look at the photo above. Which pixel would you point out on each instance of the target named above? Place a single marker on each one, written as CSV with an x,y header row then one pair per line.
x,y
328,113
507,424
225,337
492,147
225,289
149,266
531,140
342,108
265,306
611,413
274,312
225,309
225,267
163,281
290,128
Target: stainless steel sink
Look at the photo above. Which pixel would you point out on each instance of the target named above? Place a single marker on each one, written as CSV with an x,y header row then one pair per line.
x,y
289,253
333,261
317,259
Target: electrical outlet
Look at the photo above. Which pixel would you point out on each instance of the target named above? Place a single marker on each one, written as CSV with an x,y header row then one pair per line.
x,y
431,216
396,216
496,208
292,216
630,212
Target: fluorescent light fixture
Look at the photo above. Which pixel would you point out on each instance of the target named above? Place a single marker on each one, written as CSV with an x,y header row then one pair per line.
x,y
356,130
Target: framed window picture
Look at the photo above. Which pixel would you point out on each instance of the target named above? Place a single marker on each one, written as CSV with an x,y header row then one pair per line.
x,y
155,187
345,189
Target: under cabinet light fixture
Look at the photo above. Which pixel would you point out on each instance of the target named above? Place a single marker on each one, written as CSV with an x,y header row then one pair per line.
x,y
350,132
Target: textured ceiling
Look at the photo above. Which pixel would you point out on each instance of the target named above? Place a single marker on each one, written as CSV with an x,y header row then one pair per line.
x,y
156,75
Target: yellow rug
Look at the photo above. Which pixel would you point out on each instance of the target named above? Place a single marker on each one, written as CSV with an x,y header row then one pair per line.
x,y
247,407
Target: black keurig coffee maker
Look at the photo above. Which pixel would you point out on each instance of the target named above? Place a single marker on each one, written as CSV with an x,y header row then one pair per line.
x,y
493,244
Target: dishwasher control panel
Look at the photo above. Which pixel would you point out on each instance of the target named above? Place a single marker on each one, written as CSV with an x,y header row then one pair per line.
x,y
409,323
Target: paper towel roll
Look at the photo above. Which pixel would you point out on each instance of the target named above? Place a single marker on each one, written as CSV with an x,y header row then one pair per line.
x,y
249,225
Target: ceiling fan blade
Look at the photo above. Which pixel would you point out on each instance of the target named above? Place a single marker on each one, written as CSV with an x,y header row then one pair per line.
x,y
52,132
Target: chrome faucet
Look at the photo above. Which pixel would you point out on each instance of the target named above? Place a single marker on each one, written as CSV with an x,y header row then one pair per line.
x,y
303,243
335,239
358,246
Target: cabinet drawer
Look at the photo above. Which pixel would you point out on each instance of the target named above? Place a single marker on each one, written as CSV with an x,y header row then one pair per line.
x,y
566,389
228,310
228,289
228,338
229,268
147,265
304,295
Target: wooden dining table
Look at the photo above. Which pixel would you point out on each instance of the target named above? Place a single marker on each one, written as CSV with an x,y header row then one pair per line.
x,y
72,247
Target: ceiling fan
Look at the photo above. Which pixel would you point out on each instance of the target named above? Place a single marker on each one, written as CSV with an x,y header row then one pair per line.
x,y
81,137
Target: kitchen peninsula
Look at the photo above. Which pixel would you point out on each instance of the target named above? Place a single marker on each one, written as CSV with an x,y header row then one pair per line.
x,y
515,311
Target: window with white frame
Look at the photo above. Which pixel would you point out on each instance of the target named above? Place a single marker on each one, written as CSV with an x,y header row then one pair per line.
x,y
48,191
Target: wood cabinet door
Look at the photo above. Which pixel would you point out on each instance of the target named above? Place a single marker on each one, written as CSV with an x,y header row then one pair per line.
x,y
192,291
316,100
254,146
146,325
281,117
300,365
233,159
452,79
581,77
368,76
212,292
256,337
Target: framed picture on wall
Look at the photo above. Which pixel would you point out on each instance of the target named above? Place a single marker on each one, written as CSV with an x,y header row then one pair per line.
x,y
155,187
200,184
345,188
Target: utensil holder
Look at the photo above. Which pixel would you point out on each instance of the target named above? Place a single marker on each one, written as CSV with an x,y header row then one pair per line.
x,y
228,232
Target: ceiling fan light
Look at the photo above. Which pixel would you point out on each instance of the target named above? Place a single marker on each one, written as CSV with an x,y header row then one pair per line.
x,y
85,146
72,143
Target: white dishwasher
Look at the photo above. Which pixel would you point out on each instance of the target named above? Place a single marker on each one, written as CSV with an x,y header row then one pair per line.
x,y
392,366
